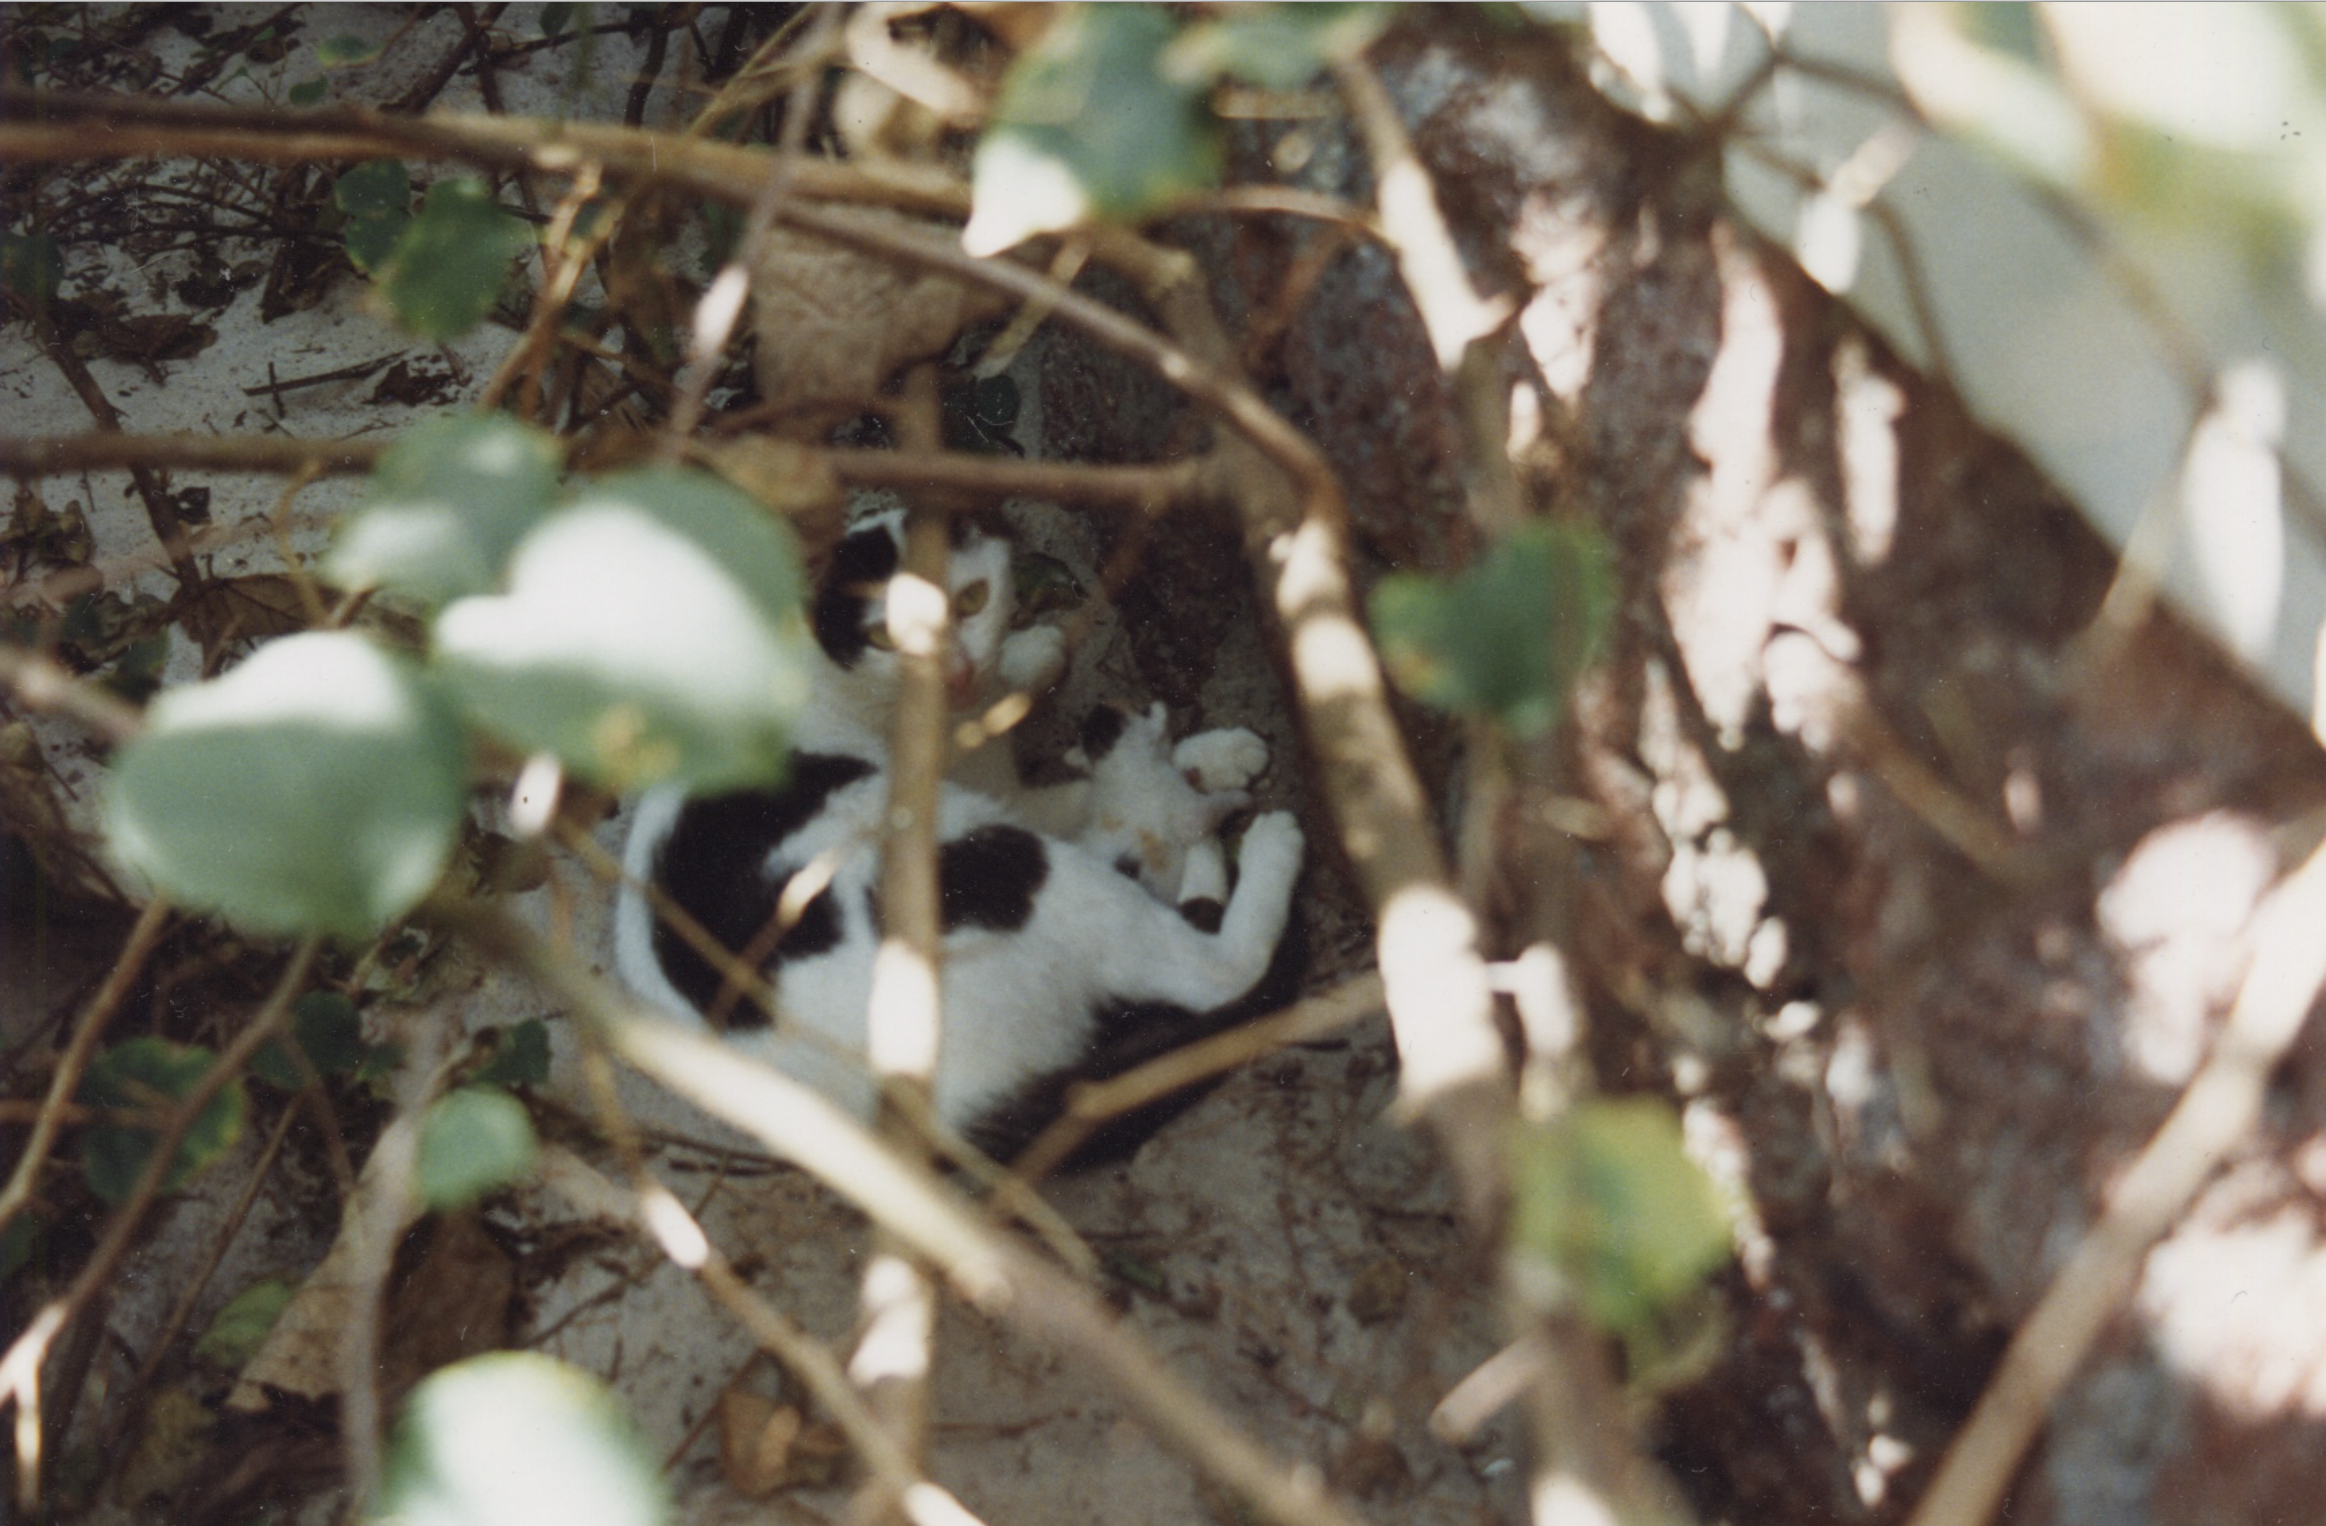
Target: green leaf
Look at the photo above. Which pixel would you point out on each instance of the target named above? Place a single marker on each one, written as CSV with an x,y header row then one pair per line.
x,y
521,1058
1610,1199
151,1074
517,1436
308,92
1088,124
555,18
30,266
1508,636
337,52
315,788
447,506
651,630
377,198
326,1029
236,1334
472,1141
448,267
1277,47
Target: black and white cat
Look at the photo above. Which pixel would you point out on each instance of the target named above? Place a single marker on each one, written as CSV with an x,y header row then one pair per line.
x,y
1066,946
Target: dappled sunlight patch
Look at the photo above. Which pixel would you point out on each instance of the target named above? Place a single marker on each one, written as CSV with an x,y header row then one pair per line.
x,y
2240,1306
2179,911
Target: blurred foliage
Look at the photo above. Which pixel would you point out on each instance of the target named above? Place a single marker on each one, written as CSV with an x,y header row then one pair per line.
x,y
447,505
325,1031
1507,637
516,1436
317,787
473,1140
1607,1202
237,1330
1107,117
450,263
150,1074
377,199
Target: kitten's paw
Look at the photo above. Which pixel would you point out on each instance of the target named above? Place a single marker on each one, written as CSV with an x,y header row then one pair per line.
x,y
1226,759
1033,659
1273,842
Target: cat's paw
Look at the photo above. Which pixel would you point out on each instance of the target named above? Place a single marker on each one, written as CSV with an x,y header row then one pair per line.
x,y
1272,844
1228,758
1033,659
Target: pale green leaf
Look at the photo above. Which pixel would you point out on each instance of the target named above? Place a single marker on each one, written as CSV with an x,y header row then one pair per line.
x,y
473,1141
651,630
447,505
315,788
1509,636
518,1437
1611,1200
1089,124
30,266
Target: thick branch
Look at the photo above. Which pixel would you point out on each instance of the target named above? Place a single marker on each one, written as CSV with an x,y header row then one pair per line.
x,y
977,478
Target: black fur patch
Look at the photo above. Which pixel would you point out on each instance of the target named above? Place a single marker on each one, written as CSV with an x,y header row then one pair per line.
x,y
1101,729
989,877
1203,914
866,557
1130,1034
715,866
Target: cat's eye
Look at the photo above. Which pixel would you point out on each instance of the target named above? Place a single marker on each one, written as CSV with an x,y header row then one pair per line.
x,y
880,637
971,599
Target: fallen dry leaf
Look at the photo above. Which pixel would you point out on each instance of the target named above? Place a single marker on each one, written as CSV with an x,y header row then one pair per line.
x,y
834,324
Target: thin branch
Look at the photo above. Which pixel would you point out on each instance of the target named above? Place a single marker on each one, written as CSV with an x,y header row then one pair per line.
x,y
161,511
158,1346
384,1207
45,685
947,473
904,1018
676,1231
721,306
135,950
20,1368
1222,394
271,454
40,128
1090,1104
2214,1115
